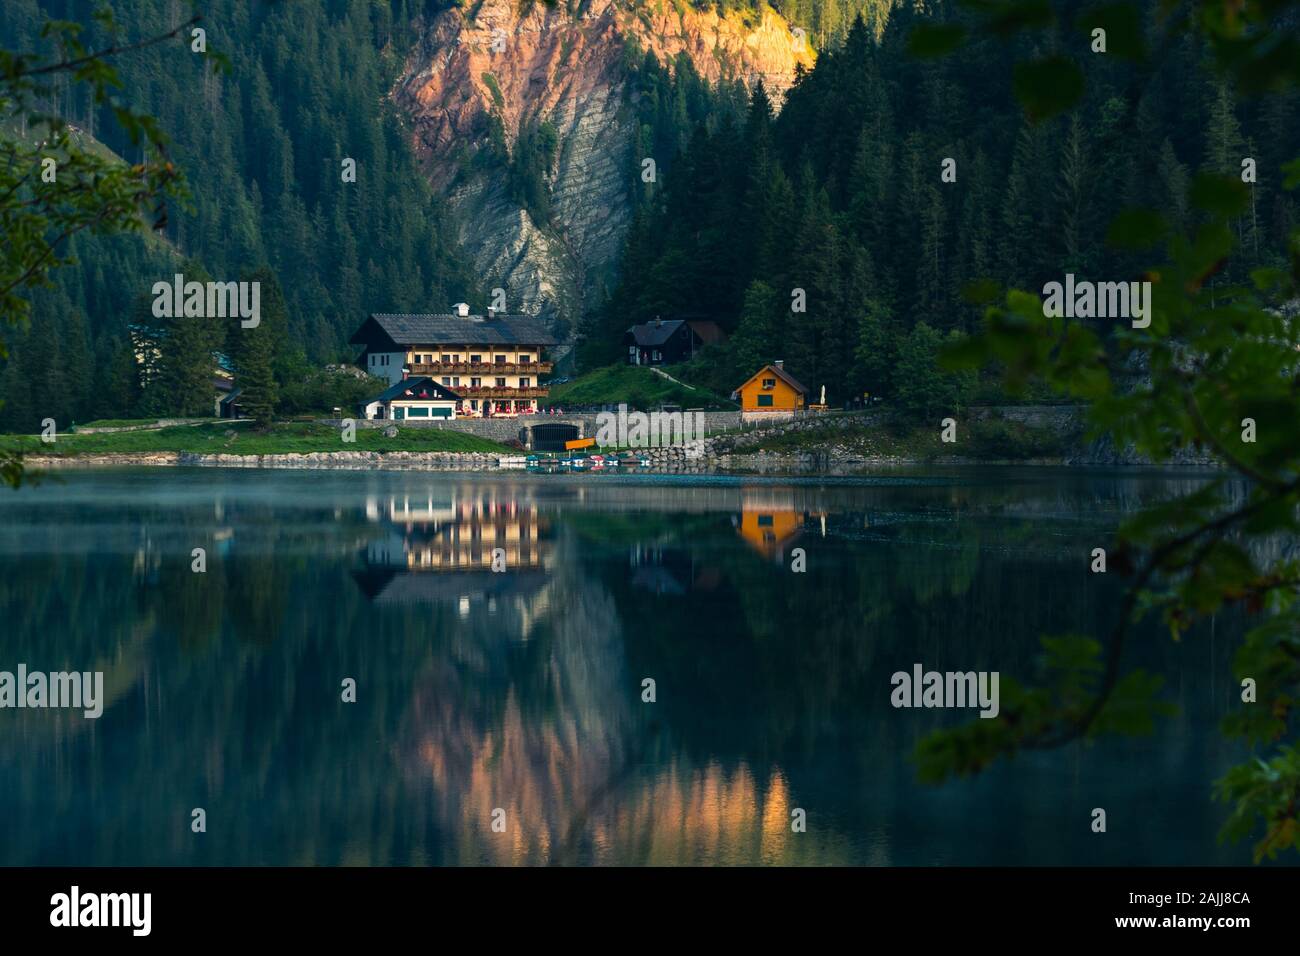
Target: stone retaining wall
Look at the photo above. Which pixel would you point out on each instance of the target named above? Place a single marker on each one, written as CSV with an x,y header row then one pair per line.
x,y
509,429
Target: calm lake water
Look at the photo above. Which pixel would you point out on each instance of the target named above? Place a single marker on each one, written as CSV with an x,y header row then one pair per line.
x,y
522,690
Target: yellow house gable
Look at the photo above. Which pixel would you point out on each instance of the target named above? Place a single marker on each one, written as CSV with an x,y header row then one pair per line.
x,y
771,389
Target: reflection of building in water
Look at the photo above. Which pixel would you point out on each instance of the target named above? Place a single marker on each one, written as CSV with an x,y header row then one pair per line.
x,y
669,571
442,548
769,522
560,740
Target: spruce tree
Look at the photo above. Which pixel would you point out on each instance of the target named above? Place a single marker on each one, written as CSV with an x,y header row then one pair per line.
x,y
253,351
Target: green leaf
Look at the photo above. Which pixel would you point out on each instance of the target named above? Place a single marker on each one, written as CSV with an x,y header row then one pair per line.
x,y
963,354
935,39
981,292
1136,229
1047,87
1292,170
1221,196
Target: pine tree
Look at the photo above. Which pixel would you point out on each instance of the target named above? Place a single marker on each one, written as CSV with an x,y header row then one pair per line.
x,y
1073,199
1174,180
119,393
756,337
933,283
876,352
254,352
188,344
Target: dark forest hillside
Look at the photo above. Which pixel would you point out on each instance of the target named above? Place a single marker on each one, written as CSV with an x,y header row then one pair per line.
x,y
838,194
841,195
262,148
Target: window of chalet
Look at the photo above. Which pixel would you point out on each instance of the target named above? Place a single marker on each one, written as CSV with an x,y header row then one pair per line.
x,y
769,383
765,401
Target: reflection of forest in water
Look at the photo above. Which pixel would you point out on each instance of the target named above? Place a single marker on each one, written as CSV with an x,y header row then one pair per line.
x,y
521,689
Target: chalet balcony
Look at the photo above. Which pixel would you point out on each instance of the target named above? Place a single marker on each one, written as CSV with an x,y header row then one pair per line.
x,y
481,368
498,392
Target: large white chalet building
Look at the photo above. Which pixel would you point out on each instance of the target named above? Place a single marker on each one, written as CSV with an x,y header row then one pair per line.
x,y
491,365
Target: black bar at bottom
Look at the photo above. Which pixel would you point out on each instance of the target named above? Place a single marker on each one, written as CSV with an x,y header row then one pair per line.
x,y
331,905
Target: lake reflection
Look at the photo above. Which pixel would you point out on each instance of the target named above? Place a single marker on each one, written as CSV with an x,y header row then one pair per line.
x,y
521,690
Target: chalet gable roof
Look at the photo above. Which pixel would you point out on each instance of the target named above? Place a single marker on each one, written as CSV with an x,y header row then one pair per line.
x,y
411,389
650,334
779,373
406,328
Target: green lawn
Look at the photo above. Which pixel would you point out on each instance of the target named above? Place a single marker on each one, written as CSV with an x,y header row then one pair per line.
x,y
240,438
636,386
119,422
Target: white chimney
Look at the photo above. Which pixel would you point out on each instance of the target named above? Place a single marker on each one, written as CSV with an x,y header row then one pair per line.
x,y
779,363
462,309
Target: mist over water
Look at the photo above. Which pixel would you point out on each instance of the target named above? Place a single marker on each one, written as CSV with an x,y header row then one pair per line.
x,y
522,690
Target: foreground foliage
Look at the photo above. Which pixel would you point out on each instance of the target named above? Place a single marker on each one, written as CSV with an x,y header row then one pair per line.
x,y
1219,370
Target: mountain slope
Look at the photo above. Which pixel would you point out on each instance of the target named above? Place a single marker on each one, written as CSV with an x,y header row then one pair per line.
x,y
485,86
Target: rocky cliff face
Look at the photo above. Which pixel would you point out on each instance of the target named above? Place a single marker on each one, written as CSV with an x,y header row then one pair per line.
x,y
564,66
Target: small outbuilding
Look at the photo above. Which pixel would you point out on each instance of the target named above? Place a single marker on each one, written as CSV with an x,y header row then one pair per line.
x,y
666,342
770,391
415,399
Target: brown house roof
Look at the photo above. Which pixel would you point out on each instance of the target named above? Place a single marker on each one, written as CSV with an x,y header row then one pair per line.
x,y
779,373
708,330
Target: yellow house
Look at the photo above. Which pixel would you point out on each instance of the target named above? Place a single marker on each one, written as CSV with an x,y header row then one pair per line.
x,y
770,390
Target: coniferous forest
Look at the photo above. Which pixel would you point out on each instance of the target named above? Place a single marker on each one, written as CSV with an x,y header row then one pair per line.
x,y
261,146
840,194
837,192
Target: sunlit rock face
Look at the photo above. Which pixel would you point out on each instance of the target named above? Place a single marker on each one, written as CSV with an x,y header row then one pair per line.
x,y
568,69
544,727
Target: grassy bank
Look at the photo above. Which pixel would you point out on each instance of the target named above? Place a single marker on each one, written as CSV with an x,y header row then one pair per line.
x,y
240,438
637,386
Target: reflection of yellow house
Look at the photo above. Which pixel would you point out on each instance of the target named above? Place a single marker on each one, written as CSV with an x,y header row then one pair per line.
x,y
768,532
770,390
769,520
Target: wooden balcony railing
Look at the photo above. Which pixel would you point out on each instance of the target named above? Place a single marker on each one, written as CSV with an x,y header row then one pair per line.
x,y
481,368
498,391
